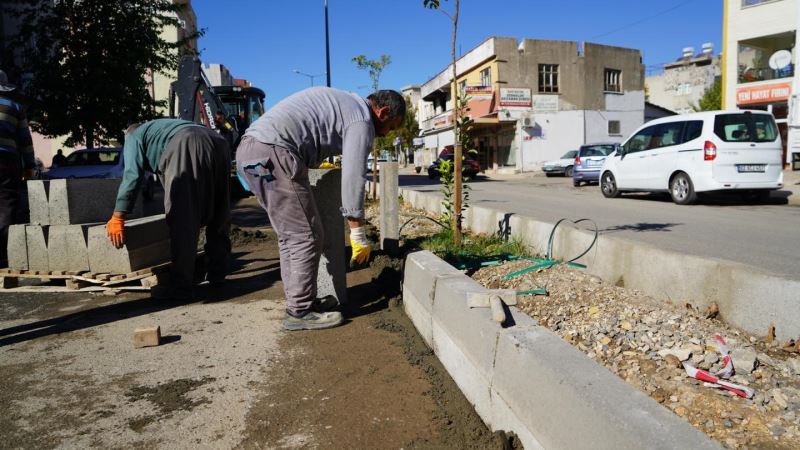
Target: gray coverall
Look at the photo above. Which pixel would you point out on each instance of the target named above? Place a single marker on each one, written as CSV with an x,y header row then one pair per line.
x,y
274,156
193,163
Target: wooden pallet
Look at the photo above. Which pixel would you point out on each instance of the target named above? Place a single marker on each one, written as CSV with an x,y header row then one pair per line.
x,y
142,279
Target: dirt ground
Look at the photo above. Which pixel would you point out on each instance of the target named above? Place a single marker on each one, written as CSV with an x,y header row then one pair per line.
x,y
226,375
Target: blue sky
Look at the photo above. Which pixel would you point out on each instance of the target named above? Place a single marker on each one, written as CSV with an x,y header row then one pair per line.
x,y
264,40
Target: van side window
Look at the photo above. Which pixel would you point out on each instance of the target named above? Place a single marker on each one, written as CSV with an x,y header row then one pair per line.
x,y
666,134
641,140
693,130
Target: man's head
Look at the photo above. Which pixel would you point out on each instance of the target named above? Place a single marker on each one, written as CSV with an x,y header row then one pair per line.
x,y
60,152
219,119
388,111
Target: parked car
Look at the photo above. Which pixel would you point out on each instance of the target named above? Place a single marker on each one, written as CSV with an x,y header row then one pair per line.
x,y
699,152
105,162
588,162
561,166
469,167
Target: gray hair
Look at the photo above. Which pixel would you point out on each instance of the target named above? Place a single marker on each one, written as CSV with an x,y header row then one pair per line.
x,y
392,99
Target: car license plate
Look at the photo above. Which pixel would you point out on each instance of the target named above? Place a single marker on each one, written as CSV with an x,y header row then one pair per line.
x,y
595,162
743,168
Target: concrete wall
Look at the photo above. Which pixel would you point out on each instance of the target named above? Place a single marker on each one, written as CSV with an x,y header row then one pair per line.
x,y
666,89
557,134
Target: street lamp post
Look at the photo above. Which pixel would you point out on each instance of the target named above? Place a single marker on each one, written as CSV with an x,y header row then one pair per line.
x,y
327,49
310,77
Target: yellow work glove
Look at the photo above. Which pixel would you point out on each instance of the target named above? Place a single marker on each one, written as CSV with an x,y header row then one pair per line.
x,y
360,245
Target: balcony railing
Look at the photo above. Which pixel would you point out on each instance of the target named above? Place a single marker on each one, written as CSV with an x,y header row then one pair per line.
x,y
751,74
438,121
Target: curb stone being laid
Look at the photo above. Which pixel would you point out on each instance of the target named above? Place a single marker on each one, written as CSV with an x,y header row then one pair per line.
x,y
527,380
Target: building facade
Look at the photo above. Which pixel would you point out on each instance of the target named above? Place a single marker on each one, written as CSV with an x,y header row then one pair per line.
x,y
681,85
759,63
186,31
532,100
218,75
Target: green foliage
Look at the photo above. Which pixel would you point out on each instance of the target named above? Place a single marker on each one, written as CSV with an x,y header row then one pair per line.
x,y
407,131
711,99
474,247
374,67
89,60
447,177
465,128
432,4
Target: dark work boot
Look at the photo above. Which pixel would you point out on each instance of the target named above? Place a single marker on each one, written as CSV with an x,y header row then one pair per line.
x,y
313,321
325,304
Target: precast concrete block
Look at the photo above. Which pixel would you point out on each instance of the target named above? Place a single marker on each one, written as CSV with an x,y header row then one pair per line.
x,y
554,390
744,304
422,270
483,220
389,207
17,247
38,201
36,240
326,185
85,200
147,244
419,315
68,247
471,329
503,417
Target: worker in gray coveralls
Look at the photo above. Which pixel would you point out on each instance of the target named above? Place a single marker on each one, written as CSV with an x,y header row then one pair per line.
x,y
193,163
273,158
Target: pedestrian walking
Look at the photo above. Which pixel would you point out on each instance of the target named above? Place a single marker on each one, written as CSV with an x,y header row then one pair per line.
x,y
193,163
59,159
274,156
17,162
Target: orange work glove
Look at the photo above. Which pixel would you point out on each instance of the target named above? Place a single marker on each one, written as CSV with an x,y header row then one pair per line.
x,y
115,228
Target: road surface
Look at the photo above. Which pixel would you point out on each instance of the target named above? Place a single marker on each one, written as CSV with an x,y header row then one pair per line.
x,y
766,235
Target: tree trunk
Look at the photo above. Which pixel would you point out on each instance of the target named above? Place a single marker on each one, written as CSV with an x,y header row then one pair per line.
x,y
457,188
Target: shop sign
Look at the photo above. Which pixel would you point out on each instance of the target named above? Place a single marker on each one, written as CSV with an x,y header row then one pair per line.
x,y
440,121
545,103
479,92
418,142
515,97
763,94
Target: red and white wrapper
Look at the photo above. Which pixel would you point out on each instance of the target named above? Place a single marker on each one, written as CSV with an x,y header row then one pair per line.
x,y
715,380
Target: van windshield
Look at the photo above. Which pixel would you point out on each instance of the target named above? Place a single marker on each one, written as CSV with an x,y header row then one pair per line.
x,y
745,127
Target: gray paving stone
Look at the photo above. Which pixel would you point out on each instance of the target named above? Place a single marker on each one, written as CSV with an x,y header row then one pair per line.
x,y
326,184
17,248
68,247
81,201
38,201
146,244
36,239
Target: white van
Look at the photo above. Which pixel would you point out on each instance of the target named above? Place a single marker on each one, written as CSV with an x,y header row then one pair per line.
x,y
698,152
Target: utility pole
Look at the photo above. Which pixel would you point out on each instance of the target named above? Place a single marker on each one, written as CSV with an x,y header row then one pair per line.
x,y
327,48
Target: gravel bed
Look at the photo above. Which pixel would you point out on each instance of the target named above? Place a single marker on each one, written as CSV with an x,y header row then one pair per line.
x,y
643,341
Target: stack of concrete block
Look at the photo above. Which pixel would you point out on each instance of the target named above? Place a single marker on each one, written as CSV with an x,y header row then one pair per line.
x,y
326,184
65,214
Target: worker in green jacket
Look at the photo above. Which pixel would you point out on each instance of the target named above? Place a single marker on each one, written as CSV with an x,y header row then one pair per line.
x,y
193,163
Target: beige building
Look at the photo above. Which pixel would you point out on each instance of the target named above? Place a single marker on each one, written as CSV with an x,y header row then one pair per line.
x,y
760,60
532,100
187,28
682,83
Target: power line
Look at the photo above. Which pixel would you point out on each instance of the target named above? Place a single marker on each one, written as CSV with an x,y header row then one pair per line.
x,y
643,20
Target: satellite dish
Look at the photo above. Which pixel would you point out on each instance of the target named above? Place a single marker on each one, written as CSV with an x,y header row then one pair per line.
x,y
780,59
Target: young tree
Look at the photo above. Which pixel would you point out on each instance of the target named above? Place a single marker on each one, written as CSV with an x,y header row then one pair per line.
x,y
375,68
457,188
89,60
409,128
711,99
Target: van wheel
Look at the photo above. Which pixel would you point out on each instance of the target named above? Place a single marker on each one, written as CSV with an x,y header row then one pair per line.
x,y
568,172
682,190
608,184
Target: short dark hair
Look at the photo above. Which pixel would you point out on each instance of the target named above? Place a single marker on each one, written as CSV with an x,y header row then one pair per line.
x,y
392,99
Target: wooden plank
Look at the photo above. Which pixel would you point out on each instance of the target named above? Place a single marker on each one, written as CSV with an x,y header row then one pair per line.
x,y
75,284
150,281
83,278
127,279
103,276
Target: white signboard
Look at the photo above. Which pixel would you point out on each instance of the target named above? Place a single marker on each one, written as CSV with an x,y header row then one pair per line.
x,y
515,97
545,103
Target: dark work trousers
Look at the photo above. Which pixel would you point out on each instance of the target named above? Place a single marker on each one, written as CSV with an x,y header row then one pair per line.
x,y
292,212
10,186
195,171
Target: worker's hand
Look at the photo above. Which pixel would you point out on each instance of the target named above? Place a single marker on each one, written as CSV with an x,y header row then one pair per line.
x,y
115,228
360,245
28,174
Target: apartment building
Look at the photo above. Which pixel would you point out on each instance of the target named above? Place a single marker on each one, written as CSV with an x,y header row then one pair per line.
x,y
532,100
759,63
682,83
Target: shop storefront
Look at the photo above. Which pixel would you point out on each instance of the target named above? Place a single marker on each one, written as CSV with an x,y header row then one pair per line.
x,y
772,97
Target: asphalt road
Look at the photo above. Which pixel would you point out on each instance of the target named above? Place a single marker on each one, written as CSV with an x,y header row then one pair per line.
x,y
764,235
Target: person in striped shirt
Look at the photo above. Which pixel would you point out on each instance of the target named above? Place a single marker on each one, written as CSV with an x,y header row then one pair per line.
x,y
17,161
